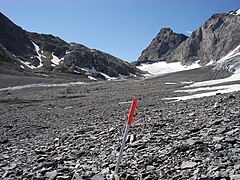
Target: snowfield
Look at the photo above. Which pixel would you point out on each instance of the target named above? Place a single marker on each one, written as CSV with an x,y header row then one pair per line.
x,y
231,62
55,60
160,68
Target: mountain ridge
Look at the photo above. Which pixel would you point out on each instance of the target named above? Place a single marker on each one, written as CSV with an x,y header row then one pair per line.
x,y
209,43
42,53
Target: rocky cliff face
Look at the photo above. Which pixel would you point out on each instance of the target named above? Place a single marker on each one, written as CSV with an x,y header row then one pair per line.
x,y
218,36
15,39
47,53
161,46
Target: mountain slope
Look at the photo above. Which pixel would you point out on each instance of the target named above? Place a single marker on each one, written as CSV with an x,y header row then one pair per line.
x,y
14,39
49,54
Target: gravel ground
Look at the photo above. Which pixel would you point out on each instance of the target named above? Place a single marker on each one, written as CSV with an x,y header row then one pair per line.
x,y
75,132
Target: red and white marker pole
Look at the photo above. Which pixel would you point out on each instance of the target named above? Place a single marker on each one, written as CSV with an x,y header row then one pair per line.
x,y
128,124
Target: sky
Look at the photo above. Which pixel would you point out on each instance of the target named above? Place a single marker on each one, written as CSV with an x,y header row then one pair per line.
x,y
122,28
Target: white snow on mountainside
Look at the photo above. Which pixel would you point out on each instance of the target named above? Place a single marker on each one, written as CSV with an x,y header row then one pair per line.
x,y
230,62
160,68
43,85
55,60
37,49
237,12
93,70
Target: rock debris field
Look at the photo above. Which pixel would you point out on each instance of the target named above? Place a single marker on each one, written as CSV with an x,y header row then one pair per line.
x,y
75,132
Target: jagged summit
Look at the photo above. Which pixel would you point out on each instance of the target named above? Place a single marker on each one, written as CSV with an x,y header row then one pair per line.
x,y
160,47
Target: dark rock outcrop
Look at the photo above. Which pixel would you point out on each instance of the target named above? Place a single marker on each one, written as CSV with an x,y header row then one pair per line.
x,y
163,44
15,39
9,64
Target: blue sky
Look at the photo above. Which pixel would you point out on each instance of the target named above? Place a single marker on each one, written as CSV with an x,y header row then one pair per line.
x,y
122,28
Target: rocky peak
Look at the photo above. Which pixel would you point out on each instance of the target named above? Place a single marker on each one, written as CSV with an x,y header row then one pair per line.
x,y
218,36
14,38
165,41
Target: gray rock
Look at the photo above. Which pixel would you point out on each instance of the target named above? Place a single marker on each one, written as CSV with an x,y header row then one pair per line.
x,y
177,177
232,131
221,174
97,177
51,175
235,177
76,176
165,42
188,165
216,139
191,142
150,168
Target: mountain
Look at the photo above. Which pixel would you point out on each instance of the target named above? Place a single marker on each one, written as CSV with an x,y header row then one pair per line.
x,y
163,44
216,38
213,40
41,53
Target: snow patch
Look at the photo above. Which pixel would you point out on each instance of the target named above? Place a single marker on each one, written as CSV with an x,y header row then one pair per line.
x,y
125,102
214,91
92,78
108,77
232,54
37,49
237,12
93,70
42,85
170,83
28,64
231,62
44,75
55,60
210,63
234,77
132,75
186,82
160,68
76,72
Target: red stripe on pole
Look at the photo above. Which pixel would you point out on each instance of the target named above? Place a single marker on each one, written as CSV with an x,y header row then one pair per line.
x,y
131,113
